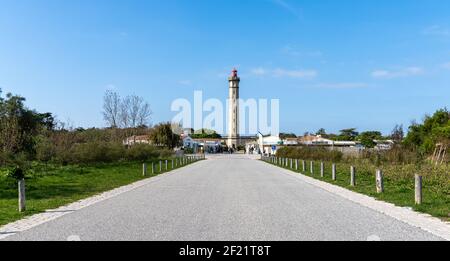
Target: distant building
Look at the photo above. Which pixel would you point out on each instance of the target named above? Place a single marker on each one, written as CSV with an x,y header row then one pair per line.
x,y
318,140
269,144
384,144
142,139
291,142
314,140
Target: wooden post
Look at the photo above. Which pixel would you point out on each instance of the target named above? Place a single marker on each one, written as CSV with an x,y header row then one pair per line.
x,y
160,166
352,176
322,169
153,168
144,169
418,189
291,164
296,164
167,166
172,164
304,166
22,199
333,172
379,181
312,167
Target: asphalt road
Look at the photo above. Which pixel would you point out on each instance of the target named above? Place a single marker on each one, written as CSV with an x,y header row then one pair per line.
x,y
226,198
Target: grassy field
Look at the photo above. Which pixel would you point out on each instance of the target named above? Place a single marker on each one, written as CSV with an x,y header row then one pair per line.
x,y
50,186
398,183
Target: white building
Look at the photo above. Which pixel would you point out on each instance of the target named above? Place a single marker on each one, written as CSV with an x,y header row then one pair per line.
x,y
269,144
143,139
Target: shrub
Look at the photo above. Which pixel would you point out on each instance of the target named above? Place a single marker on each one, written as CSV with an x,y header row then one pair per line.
x,y
308,153
142,152
16,173
188,151
45,150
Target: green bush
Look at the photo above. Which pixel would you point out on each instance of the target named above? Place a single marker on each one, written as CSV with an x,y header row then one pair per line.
x,y
45,150
16,173
188,151
396,155
107,152
308,153
142,152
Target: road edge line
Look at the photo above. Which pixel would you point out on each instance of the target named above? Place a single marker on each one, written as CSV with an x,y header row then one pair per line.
x,y
35,220
423,221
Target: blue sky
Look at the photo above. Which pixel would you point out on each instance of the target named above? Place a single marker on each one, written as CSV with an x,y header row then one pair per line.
x,y
333,64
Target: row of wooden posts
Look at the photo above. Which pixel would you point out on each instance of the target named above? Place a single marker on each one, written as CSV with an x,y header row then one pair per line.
x,y
180,161
164,165
294,164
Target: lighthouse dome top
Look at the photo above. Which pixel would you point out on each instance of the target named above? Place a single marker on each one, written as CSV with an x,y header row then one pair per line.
x,y
234,75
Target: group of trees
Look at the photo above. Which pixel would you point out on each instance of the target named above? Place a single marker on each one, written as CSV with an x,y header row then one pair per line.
x,y
351,134
20,127
163,135
27,135
205,134
434,129
129,112
421,136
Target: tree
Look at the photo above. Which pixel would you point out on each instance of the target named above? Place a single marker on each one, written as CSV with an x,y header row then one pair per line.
x,y
112,108
129,112
205,134
397,134
348,134
134,112
287,135
163,135
321,132
434,129
368,138
19,126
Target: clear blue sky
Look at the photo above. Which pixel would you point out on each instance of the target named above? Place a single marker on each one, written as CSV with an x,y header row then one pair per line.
x,y
333,64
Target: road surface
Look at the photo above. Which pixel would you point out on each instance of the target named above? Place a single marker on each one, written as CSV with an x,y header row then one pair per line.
x,y
228,197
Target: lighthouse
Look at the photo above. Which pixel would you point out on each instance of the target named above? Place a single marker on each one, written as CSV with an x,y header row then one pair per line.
x,y
233,113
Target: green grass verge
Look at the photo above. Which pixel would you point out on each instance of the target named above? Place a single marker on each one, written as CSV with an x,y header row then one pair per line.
x,y
49,186
399,189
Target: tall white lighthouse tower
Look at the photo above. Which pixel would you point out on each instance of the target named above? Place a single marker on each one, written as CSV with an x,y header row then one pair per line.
x,y
233,113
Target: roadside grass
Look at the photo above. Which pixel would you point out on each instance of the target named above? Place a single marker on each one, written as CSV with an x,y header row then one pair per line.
x,y
398,185
51,186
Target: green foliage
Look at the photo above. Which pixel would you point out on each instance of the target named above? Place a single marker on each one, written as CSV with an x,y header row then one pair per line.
x,y
287,135
16,173
205,134
162,135
396,155
19,126
434,129
109,152
143,152
321,132
367,138
188,151
309,153
347,135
